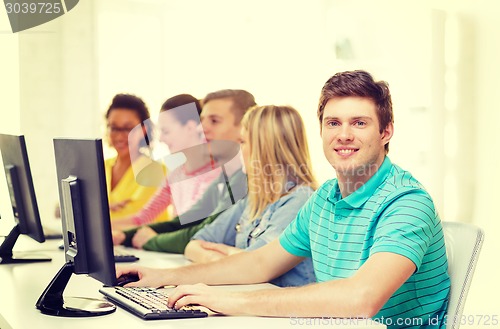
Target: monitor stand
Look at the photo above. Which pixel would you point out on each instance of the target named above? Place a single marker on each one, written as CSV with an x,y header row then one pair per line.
x,y
6,255
51,302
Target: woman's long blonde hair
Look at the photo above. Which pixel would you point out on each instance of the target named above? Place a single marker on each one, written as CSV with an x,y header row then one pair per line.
x,y
279,154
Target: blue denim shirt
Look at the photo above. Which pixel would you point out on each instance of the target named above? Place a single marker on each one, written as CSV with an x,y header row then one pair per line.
x,y
233,228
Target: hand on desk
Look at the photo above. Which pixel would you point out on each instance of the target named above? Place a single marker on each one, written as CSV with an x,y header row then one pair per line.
x,y
148,277
118,237
216,300
200,251
223,249
142,236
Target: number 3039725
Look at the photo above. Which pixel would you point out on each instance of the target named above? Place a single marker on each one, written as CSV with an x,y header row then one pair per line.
x,y
33,8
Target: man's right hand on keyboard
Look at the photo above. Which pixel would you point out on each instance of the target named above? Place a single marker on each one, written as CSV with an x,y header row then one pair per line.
x,y
148,277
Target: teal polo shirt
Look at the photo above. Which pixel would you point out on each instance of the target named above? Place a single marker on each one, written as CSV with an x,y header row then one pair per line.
x,y
391,212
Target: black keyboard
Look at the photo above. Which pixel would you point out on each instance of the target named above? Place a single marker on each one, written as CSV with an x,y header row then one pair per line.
x,y
148,303
122,257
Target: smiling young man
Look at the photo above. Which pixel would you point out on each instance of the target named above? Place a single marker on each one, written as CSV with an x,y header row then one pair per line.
x,y
373,234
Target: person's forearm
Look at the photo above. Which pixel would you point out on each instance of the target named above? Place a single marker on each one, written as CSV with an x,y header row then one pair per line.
x,y
339,298
235,269
196,253
156,205
176,241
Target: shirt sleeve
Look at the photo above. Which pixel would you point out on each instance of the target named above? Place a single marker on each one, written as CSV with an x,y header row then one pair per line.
x,y
295,237
158,203
161,227
284,213
176,241
163,198
223,229
407,226
163,243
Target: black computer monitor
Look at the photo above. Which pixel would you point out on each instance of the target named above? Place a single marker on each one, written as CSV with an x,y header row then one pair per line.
x,y
22,197
88,245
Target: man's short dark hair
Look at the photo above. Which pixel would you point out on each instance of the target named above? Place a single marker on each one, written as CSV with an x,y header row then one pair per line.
x,y
359,84
242,101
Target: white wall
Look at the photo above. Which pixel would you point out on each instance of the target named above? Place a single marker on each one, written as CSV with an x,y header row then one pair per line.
x,y
58,93
9,91
484,177
165,48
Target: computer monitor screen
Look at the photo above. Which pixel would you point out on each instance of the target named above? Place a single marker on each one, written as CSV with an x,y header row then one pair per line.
x,y
22,197
88,245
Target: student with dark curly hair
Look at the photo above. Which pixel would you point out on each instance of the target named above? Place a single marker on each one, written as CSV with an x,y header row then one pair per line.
x,y
126,135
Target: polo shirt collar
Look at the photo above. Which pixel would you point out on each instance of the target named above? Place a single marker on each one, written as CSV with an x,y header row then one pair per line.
x,y
361,195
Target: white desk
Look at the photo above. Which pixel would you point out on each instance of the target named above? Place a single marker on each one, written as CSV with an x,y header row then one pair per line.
x,y
22,284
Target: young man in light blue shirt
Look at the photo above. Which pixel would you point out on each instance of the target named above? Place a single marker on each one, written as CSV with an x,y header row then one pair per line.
x,y
373,233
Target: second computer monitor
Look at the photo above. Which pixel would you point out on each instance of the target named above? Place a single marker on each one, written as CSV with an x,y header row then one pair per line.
x,y
88,244
20,184
84,207
22,197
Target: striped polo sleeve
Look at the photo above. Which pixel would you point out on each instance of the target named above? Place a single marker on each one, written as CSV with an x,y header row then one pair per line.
x,y
407,225
295,238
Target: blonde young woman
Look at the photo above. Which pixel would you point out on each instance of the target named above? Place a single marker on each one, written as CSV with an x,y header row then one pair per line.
x,y
280,180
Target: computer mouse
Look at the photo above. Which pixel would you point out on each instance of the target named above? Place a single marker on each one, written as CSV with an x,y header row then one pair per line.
x,y
126,278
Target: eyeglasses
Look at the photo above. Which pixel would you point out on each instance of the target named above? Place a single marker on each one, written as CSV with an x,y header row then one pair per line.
x,y
119,130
